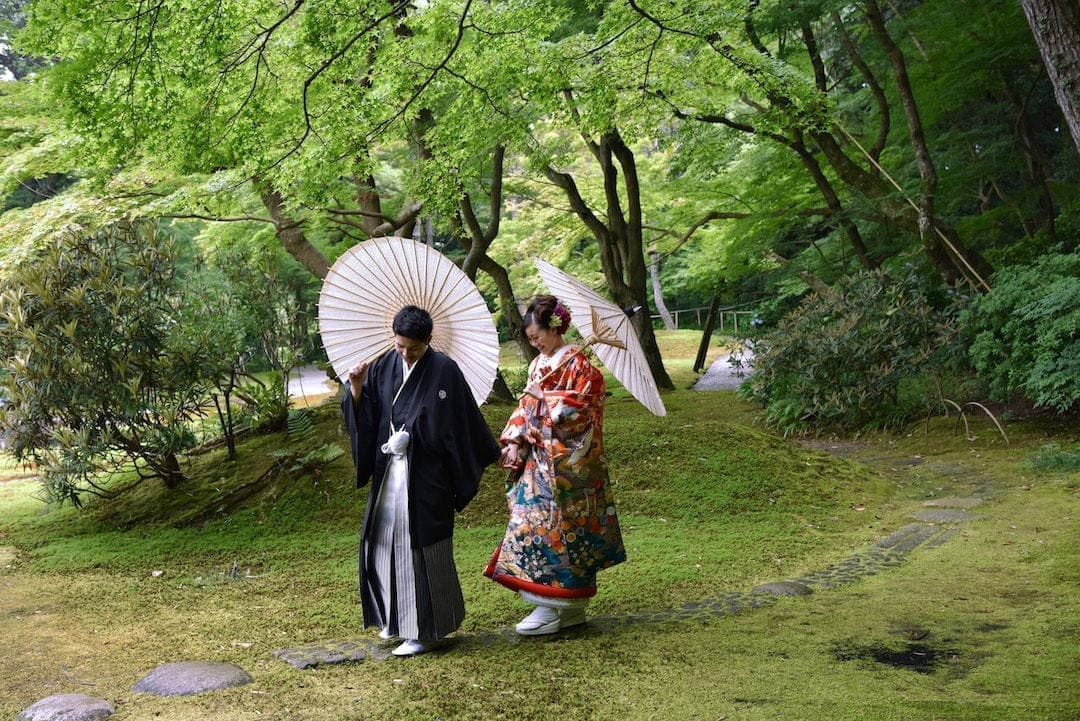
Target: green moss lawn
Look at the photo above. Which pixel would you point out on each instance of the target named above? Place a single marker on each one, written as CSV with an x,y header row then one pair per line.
x,y
240,563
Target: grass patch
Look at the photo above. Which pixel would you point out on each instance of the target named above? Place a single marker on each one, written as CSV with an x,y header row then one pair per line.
x,y
250,560
1054,457
13,470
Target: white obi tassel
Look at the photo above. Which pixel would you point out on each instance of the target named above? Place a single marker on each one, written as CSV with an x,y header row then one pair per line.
x,y
396,444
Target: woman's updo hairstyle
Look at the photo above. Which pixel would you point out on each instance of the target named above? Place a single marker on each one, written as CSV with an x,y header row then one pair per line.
x,y
547,312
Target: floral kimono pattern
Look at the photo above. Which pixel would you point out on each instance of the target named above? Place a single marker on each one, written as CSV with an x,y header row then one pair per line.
x,y
563,528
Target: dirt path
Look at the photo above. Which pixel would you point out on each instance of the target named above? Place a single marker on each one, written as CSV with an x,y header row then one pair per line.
x,y
721,375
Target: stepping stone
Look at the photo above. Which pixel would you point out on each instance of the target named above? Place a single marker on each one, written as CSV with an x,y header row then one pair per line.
x,y
970,502
783,588
67,707
939,540
7,555
189,677
887,552
943,515
910,536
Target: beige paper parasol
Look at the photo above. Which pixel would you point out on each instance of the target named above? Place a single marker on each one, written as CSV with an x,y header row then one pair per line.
x,y
374,279
607,328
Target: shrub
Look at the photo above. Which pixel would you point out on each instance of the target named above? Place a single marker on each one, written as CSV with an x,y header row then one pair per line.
x,y
842,358
97,378
266,407
1024,335
516,378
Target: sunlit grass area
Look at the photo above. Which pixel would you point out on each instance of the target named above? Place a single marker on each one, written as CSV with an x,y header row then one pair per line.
x,y
11,469
247,558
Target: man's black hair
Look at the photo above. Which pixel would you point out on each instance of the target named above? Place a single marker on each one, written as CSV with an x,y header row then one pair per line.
x,y
413,322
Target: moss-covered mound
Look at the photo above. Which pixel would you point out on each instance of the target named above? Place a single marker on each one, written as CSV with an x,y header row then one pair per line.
x,y
698,483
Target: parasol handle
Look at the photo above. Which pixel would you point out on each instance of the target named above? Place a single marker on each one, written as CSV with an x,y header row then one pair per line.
x,y
369,360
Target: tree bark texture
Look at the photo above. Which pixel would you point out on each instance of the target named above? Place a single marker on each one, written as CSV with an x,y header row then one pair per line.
x,y
290,233
658,291
1056,27
622,256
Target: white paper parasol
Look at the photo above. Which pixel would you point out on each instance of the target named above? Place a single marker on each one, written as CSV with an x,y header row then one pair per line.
x,y
374,279
605,327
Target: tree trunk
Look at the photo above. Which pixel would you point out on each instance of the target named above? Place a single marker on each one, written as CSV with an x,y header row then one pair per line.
x,y
374,223
1038,171
633,257
880,98
290,233
927,171
168,467
658,292
477,241
226,425
500,392
1056,27
622,257
706,333
509,307
954,262
367,199
832,200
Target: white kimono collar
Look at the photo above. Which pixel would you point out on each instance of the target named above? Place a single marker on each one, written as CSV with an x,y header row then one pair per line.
x,y
554,359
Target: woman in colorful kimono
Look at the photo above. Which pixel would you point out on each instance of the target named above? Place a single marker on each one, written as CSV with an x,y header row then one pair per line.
x,y
563,528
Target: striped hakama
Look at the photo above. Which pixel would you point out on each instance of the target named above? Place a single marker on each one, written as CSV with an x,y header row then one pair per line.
x,y
404,582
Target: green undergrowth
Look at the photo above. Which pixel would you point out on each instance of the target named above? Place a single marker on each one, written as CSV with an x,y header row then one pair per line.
x,y
696,469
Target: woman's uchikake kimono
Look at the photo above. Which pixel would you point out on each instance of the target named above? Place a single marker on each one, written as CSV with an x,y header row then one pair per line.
x,y
563,528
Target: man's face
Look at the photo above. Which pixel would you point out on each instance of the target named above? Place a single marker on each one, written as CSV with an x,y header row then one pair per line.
x,y
410,349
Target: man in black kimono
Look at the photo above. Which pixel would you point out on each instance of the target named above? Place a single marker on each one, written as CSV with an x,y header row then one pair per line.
x,y
415,429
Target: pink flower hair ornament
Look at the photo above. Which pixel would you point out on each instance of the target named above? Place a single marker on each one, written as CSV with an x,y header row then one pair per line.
x,y
560,319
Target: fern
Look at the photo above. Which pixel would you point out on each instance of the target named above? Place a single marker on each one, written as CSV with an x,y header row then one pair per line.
x,y
299,426
300,431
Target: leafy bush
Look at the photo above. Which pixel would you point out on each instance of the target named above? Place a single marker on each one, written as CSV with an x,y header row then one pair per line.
x,y
97,377
516,378
1024,335
266,407
842,359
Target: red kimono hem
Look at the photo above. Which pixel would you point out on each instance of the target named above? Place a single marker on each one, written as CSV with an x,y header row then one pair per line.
x,y
518,584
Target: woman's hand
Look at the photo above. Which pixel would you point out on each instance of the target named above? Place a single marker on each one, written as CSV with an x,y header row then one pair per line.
x,y
511,456
357,375
534,390
533,436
